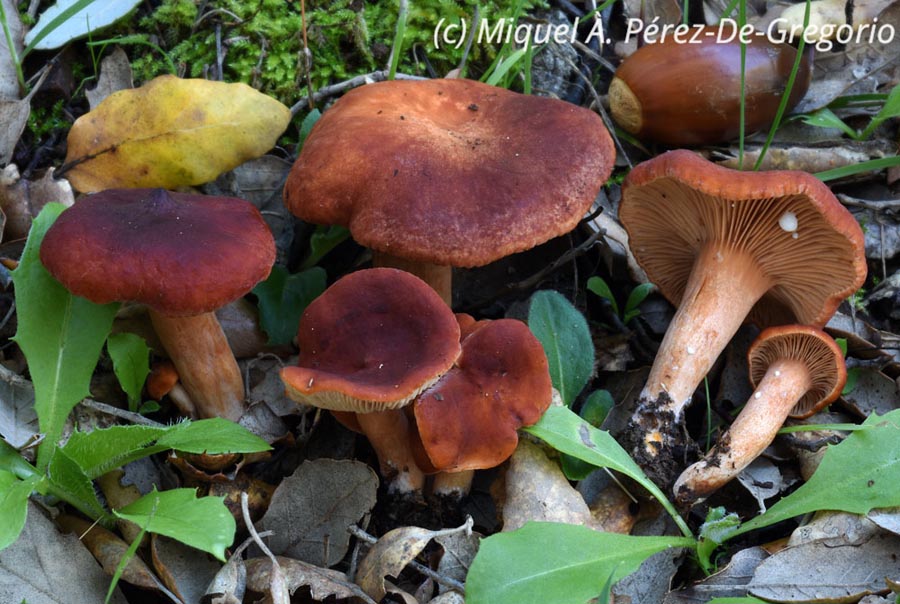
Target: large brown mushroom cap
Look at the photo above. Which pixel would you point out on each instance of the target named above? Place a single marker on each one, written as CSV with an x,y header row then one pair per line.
x,y
813,347
179,254
450,172
372,341
676,203
501,382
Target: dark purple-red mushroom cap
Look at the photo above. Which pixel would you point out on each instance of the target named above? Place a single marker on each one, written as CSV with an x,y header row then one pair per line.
x,y
178,253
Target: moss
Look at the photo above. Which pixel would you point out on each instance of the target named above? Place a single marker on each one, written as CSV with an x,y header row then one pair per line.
x,y
262,40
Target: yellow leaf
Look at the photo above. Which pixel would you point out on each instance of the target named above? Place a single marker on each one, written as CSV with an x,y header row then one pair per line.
x,y
171,132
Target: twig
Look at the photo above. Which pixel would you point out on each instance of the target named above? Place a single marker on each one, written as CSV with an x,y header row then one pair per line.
x,y
355,82
420,568
877,205
307,59
277,584
471,38
134,418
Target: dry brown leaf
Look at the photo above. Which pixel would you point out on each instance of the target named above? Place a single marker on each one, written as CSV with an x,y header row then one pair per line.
x,y
312,509
171,132
108,549
184,570
322,582
392,552
118,496
115,75
21,200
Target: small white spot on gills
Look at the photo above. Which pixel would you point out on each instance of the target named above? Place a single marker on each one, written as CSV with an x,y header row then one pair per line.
x,y
691,350
757,395
788,222
719,257
795,235
777,373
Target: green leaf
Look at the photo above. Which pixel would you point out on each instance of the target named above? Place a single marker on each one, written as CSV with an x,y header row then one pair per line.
x,y
68,481
842,344
594,410
283,298
854,169
308,122
637,295
890,109
100,450
718,528
568,433
213,436
131,364
323,240
204,523
825,118
852,378
60,334
601,288
560,563
14,494
566,339
11,461
857,475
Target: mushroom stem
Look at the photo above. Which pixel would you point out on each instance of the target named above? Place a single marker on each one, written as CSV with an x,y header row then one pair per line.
x,y
453,484
784,384
723,286
207,368
388,433
438,276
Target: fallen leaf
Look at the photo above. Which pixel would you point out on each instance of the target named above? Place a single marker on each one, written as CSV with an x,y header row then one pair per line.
x,y
730,582
459,551
171,132
9,81
537,490
47,567
450,597
115,75
229,584
322,582
834,529
22,199
184,570
762,479
887,519
389,556
109,549
49,32
874,392
18,420
311,509
13,116
820,572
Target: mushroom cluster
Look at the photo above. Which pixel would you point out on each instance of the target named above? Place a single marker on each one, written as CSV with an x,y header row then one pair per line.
x,y
382,350
726,246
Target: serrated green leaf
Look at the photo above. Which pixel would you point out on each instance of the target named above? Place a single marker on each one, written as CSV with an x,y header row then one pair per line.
x,y
68,481
718,528
282,299
601,288
213,436
14,494
566,338
857,475
131,364
100,450
204,523
560,563
568,433
60,334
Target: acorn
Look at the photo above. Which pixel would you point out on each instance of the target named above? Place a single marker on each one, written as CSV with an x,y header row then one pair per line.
x,y
677,92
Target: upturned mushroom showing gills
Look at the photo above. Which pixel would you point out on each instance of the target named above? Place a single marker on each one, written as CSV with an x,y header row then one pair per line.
x,y
796,370
370,344
440,173
725,246
468,420
181,255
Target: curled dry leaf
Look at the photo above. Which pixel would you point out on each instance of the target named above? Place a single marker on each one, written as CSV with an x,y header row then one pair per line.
x,y
184,570
171,132
21,199
108,549
322,582
391,553
115,75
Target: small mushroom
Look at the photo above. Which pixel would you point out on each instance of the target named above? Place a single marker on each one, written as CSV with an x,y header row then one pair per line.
x,y
724,246
439,173
369,345
796,370
468,420
181,255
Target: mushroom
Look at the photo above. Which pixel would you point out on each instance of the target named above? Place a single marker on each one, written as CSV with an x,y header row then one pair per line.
x,y
724,246
468,420
162,381
181,255
439,173
370,344
796,370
